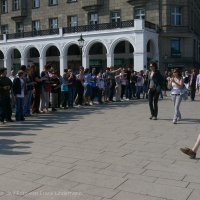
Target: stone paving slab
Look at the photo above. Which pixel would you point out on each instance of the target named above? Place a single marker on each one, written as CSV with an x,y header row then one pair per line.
x,y
101,152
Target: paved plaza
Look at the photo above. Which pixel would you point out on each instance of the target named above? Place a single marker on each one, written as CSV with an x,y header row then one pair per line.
x,y
101,152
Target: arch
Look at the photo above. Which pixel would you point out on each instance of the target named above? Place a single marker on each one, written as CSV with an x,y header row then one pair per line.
x,y
52,55
74,57
66,47
27,49
123,53
97,54
88,46
151,50
114,43
13,54
45,48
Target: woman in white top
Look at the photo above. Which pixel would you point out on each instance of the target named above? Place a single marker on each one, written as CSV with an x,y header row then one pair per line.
x,y
176,83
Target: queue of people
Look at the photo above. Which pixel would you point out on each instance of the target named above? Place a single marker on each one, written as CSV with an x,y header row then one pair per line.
x,y
30,92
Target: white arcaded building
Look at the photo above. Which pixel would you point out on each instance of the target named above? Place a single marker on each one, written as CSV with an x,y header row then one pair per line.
x,y
132,44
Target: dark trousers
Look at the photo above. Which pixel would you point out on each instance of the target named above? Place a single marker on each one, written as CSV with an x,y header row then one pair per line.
x,y
192,93
153,102
19,108
112,92
123,90
36,101
5,108
65,97
80,92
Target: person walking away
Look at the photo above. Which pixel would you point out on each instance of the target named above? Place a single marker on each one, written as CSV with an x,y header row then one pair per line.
x,y
155,83
176,83
5,100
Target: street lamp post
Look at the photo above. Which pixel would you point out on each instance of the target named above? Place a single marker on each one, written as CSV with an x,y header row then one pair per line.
x,y
81,44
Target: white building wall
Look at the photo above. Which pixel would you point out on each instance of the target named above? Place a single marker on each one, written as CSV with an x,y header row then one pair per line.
x,y
138,36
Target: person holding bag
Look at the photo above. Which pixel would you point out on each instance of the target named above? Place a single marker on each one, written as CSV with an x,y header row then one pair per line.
x,y
177,84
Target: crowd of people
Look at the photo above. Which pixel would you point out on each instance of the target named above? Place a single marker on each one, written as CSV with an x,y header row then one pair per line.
x,y
29,92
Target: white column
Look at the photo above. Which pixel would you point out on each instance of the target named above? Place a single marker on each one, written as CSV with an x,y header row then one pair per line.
x,y
139,61
85,60
42,63
8,64
110,60
63,64
24,61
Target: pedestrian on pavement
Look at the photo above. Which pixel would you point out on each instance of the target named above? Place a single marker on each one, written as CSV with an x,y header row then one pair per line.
x,y
192,152
155,83
176,83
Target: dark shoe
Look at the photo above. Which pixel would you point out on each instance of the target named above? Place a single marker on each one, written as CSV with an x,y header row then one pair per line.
x,y
2,122
10,120
53,109
151,117
22,119
188,152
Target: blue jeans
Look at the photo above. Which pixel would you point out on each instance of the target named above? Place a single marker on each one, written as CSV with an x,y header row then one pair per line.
x,y
19,108
27,103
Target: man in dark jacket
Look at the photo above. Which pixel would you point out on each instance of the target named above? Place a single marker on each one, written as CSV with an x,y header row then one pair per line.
x,y
155,84
5,101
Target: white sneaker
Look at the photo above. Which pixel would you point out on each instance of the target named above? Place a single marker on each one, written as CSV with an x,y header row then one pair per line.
x,y
91,104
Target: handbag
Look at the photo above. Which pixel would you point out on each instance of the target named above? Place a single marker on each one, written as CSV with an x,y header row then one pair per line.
x,y
184,93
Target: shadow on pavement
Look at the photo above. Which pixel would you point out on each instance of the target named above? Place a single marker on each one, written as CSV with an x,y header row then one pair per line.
x,y
35,124
12,147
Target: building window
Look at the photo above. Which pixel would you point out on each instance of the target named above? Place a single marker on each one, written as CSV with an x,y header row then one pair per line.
x,y
53,23
92,18
36,25
175,47
72,21
19,27
36,3
4,29
176,16
4,6
53,2
139,13
115,16
71,1
16,5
